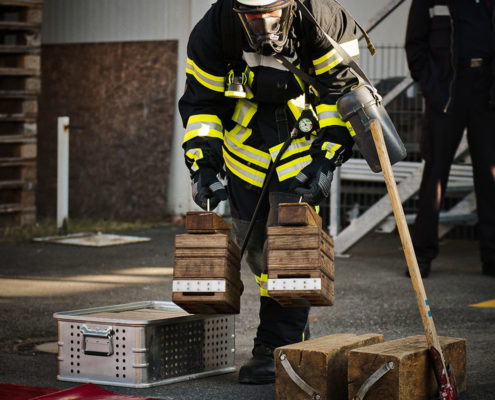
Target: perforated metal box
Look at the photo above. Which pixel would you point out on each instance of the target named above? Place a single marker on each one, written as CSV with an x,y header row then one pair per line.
x,y
143,344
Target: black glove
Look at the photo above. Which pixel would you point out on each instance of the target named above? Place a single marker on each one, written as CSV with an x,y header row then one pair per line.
x,y
205,185
313,181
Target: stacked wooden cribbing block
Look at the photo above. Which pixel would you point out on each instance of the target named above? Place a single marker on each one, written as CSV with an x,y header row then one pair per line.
x,y
20,63
300,258
207,276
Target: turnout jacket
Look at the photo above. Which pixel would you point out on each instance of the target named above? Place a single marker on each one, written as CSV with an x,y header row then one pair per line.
x,y
243,135
433,51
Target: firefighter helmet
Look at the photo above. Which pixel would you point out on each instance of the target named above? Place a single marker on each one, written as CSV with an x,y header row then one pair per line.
x,y
266,23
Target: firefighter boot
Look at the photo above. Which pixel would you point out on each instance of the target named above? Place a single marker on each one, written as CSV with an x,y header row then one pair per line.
x,y
260,369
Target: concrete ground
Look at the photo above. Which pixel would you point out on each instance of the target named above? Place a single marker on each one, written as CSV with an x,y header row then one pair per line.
x,y
372,295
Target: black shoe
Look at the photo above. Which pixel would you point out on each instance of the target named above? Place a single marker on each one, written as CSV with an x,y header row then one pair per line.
x,y
424,269
488,269
260,369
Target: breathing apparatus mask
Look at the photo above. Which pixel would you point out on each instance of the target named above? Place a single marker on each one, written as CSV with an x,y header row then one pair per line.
x,y
266,23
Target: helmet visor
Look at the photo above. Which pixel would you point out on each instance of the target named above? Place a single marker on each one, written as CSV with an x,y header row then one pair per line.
x,y
266,27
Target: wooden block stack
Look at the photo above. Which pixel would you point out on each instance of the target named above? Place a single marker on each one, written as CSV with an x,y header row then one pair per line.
x,y
207,277
321,363
20,44
300,258
412,377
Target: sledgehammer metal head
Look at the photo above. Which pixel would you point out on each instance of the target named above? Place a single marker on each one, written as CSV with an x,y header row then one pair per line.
x,y
445,377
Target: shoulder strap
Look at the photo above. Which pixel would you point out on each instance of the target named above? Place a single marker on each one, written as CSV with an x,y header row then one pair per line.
x,y
231,36
347,59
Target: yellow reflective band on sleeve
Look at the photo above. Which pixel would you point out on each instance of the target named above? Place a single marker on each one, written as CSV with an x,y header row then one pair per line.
x,y
328,115
297,146
248,153
204,125
195,155
247,174
326,62
212,82
262,282
352,132
292,168
329,60
330,148
244,112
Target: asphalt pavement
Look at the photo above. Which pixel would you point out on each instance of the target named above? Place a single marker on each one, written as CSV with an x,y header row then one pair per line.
x,y
372,295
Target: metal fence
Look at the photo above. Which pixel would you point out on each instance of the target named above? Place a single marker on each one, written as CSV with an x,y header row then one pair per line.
x,y
386,69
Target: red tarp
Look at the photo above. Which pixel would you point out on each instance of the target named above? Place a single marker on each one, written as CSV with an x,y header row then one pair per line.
x,y
19,392
87,391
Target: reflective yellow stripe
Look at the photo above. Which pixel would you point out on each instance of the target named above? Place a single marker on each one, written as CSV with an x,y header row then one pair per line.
x,y
328,115
352,132
245,152
216,83
330,148
244,172
250,80
292,168
194,154
244,112
203,125
295,109
327,62
297,146
331,59
262,282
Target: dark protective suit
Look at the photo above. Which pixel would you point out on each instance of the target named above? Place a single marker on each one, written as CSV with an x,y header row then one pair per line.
x,y
450,52
243,136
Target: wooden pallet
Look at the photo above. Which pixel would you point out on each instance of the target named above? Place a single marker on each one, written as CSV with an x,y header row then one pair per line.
x,y
20,83
207,276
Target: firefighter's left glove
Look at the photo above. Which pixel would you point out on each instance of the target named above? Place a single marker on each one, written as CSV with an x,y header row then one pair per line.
x,y
313,181
205,185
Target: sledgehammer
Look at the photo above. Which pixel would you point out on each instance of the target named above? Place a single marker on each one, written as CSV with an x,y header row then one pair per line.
x,y
444,375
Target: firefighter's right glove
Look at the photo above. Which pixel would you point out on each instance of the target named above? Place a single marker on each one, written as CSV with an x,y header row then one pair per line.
x,y
205,185
313,181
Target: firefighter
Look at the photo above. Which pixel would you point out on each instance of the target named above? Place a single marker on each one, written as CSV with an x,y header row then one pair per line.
x,y
450,52
238,111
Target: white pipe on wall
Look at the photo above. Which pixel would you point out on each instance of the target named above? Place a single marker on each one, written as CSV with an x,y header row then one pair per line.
x,y
62,173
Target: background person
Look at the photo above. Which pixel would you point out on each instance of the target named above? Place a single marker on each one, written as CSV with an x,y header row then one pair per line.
x,y
450,48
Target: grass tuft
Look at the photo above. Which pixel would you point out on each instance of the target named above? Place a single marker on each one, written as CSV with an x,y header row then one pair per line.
x,y
48,227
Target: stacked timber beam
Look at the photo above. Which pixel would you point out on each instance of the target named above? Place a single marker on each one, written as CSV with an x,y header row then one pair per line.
x,y
207,267
300,258
20,63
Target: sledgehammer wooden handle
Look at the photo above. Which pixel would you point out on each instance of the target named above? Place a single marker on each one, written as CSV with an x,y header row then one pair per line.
x,y
412,263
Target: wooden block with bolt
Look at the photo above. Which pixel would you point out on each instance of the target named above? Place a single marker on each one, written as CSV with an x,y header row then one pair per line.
x,y
317,368
411,376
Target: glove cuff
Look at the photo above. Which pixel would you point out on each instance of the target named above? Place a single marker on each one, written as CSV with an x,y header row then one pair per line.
x,y
208,176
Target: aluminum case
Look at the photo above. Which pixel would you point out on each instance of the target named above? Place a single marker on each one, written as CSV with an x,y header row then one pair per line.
x,y
143,344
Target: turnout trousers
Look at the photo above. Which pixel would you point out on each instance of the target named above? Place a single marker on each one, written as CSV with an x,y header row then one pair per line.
x,y
442,134
278,325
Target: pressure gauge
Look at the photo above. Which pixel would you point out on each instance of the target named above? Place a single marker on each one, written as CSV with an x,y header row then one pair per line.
x,y
305,125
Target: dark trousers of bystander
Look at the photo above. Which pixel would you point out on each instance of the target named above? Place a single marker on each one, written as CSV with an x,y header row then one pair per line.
x,y
442,133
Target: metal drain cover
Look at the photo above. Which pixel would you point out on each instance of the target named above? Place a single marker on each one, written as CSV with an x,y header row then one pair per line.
x,y
93,239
